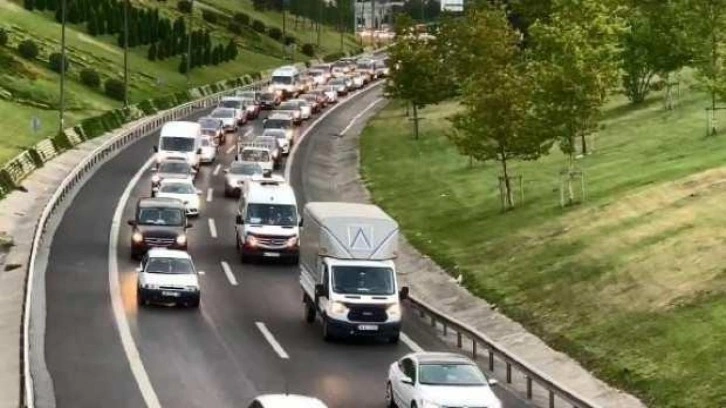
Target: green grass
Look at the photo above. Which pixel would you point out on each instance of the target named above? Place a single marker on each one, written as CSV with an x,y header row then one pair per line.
x,y
631,282
29,89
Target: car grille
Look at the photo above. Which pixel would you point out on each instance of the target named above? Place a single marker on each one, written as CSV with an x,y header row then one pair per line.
x,y
367,313
159,241
271,241
171,287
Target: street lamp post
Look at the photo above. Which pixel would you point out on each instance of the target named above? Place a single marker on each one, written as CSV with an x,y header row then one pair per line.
x,y
126,53
61,112
189,40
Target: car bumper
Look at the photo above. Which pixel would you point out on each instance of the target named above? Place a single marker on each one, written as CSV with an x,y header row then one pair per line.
x,y
347,329
169,296
270,253
207,159
140,248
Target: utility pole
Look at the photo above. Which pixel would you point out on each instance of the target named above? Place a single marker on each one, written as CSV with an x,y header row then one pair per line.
x,y
373,22
320,20
189,42
126,53
340,23
63,67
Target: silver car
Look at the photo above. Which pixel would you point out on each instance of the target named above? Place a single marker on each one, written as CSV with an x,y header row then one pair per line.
x,y
171,167
237,175
282,139
228,116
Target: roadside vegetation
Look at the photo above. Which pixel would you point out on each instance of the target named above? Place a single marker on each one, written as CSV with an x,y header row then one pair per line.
x,y
230,39
574,180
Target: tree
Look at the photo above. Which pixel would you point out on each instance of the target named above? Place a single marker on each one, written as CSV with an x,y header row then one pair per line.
x,y
231,51
183,64
115,88
498,121
29,4
416,73
207,60
152,54
92,24
28,49
656,44
3,37
577,61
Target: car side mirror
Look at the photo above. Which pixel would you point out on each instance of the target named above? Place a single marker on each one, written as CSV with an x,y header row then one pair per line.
x,y
320,290
407,380
188,225
492,382
301,222
156,149
131,223
199,150
403,293
239,220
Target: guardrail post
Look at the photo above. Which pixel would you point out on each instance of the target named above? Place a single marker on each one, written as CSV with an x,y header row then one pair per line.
x,y
491,361
509,373
458,339
433,321
552,399
529,387
445,327
473,347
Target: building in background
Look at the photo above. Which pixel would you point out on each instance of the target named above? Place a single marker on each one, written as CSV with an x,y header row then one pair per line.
x,y
452,5
381,16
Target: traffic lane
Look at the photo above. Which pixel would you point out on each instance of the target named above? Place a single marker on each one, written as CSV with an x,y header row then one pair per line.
x,y
84,353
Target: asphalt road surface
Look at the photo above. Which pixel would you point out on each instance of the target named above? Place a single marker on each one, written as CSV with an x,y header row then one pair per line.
x,y
217,356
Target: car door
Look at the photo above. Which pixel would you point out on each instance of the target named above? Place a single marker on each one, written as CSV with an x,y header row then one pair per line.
x,y
323,300
406,392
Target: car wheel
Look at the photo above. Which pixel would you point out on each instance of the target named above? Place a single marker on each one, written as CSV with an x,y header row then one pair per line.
x,y
413,404
327,335
394,339
390,402
140,301
195,303
227,193
309,311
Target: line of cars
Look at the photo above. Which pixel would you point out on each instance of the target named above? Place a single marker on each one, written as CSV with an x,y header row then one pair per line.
x,y
346,251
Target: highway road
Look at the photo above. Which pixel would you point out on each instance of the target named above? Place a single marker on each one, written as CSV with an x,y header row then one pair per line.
x,y
247,338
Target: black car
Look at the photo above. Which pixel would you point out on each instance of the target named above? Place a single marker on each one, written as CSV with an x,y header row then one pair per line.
x,y
269,100
158,222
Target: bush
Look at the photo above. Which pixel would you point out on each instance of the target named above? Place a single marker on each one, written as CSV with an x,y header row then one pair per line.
x,y
242,18
90,78
234,28
114,88
308,49
333,57
259,26
210,16
275,33
56,62
184,6
290,40
28,49
3,37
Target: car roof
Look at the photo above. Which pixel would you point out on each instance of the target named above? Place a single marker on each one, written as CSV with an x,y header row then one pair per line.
x,y
177,159
176,181
279,115
273,190
222,109
179,128
440,358
168,253
289,400
147,202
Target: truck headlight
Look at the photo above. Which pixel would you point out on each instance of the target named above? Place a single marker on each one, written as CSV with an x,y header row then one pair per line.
x,y
251,240
137,237
192,288
181,239
394,310
292,241
338,308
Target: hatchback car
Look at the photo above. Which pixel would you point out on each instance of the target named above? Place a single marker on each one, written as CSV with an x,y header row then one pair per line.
x,y
281,136
293,108
228,116
182,190
428,379
209,149
168,276
213,127
237,175
286,401
172,167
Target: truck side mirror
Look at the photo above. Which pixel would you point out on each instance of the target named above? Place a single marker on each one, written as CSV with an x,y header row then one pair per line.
x,y
301,222
320,290
403,293
156,149
238,219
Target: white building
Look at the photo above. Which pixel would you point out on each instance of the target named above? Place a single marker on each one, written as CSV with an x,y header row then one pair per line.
x,y
381,13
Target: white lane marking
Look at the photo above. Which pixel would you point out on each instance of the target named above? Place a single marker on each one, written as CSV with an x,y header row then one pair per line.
x,y
228,271
201,272
358,116
127,340
216,170
248,133
212,228
231,149
271,339
210,191
291,156
410,343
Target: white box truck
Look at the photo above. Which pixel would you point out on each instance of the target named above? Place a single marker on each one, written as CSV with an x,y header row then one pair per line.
x,y
347,270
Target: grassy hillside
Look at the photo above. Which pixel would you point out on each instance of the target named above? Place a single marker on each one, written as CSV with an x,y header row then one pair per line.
x,y
631,282
28,88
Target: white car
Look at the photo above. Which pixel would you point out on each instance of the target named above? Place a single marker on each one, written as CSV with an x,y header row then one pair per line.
x,y
282,140
306,110
331,93
259,154
167,276
436,380
237,175
236,103
183,190
209,150
228,116
286,401
318,76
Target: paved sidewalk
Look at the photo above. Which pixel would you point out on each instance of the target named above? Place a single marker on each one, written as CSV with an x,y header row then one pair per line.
x,y
434,286
19,212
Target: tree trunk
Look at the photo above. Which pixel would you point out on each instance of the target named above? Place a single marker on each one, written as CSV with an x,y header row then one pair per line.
x,y
415,121
583,138
508,200
570,167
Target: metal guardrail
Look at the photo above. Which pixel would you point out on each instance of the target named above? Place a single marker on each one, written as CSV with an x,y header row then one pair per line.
x,y
65,190
480,342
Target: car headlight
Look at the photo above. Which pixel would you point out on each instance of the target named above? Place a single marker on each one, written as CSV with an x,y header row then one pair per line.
x,y
429,404
181,239
251,240
192,288
292,241
338,308
394,310
137,237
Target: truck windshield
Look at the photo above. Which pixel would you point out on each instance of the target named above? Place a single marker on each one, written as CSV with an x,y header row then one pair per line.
x,y
177,144
363,280
272,214
283,80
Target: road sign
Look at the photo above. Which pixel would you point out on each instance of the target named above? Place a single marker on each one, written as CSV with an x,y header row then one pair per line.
x,y
35,124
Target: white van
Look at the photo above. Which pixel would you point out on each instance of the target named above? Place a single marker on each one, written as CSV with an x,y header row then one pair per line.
x,y
180,139
268,222
285,81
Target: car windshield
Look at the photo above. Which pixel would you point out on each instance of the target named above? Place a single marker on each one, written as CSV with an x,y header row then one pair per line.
x,y
267,140
255,155
178,188
309,97
223,113
231,104
364,65
450,374
277,124
161,216
363,280
248,95
338,81
209,123
174,167
206,142
287,106
172,266
245,169
284,80
177,144
279,134
267,97
271,214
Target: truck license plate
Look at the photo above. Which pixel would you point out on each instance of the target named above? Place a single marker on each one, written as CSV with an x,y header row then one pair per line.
x,y
170,294
271,254
367,327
